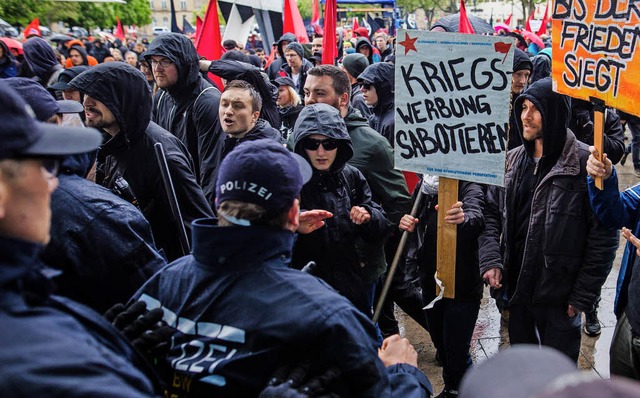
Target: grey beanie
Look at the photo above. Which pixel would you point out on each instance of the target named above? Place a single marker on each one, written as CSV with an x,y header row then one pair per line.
x,y
355,64
297,47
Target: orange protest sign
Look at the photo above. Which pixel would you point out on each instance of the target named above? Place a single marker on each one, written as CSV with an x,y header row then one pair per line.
x,y
595,45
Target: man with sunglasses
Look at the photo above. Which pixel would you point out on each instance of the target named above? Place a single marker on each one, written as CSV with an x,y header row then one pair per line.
x,y
321,137
186,105
52,346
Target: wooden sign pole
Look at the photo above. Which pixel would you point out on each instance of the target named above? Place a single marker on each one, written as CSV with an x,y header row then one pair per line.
x,y
447,235
598,131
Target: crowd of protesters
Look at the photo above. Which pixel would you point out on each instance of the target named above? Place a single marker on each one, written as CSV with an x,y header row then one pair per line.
x,y
236,238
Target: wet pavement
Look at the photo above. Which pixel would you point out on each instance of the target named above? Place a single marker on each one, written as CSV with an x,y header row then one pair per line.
x,y
490,335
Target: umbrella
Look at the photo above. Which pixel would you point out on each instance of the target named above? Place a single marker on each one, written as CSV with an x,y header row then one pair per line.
x,y
451,23
60,38
12,44
534,38
501,26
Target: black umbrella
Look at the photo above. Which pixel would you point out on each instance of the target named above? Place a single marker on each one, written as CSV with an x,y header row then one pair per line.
x,y
451,23
60,38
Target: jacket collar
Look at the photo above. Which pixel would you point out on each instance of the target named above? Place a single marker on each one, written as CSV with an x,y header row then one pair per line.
x,y
241,246
17,258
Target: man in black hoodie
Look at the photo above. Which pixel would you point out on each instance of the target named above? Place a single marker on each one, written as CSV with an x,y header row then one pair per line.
x,y
555,251
276,64
117,100
378,87
186,104
522,68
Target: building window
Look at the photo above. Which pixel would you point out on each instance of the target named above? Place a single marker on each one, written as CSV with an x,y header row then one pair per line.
x,y
165,21
163,4
183,5
151,4
155,21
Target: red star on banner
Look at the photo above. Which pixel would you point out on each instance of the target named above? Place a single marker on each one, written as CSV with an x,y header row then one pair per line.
x,y
408,43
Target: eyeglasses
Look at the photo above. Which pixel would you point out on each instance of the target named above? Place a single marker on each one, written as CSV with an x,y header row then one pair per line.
x,y
165,62
311,144
366,86
52,165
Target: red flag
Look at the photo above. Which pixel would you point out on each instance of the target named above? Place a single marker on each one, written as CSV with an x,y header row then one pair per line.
x,y
329,49
465,24
527,26
198,29
293,22
315,13
508,21
119,33
32,29
545,20
210,43
355,23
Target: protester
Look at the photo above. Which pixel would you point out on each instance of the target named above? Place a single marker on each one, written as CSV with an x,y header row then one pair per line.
x,y
231,70
117,101
378,89
373,157
77,55
276,65
8,63
522,68
41,61
555,252
354,65
619,210
99,50
186,105
289,106
239,113
131,58
258,313
363,46
145,68
52,345
451,321
382,44
316,45
62,85
541,65
296,66
321,137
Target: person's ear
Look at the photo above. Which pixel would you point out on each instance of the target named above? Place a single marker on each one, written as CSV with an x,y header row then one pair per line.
x,y
255,116
344,100
293,215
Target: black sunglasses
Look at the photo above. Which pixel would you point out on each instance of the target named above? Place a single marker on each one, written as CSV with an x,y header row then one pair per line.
x,y
311,144
366,86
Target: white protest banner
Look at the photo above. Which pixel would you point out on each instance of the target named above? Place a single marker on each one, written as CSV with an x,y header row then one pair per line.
x,y
452,104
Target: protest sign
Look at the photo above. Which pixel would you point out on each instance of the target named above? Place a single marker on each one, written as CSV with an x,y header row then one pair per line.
x,y
452,104
594,51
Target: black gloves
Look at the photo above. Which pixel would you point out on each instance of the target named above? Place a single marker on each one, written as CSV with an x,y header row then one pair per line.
x,y
295,382
142,328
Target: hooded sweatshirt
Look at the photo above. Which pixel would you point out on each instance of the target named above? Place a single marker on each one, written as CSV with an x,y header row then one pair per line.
x,y
374,53
189,108
382,77
333,247
42,61
129,156
87,59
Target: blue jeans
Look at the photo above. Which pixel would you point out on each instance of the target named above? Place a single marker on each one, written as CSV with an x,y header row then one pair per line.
x,y
451,325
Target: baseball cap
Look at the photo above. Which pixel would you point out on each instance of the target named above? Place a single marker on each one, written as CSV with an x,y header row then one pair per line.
x,y
40,100
22,135
264,173
524,370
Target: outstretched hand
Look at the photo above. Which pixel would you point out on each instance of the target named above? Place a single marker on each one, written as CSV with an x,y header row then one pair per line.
x,y
312,220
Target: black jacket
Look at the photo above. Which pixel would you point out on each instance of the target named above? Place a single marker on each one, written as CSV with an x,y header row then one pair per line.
x,y
288,117
189,109
357,100
381,75
42,61
232,70
130,153
423,243
333,247
102,244
261,130
285,70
